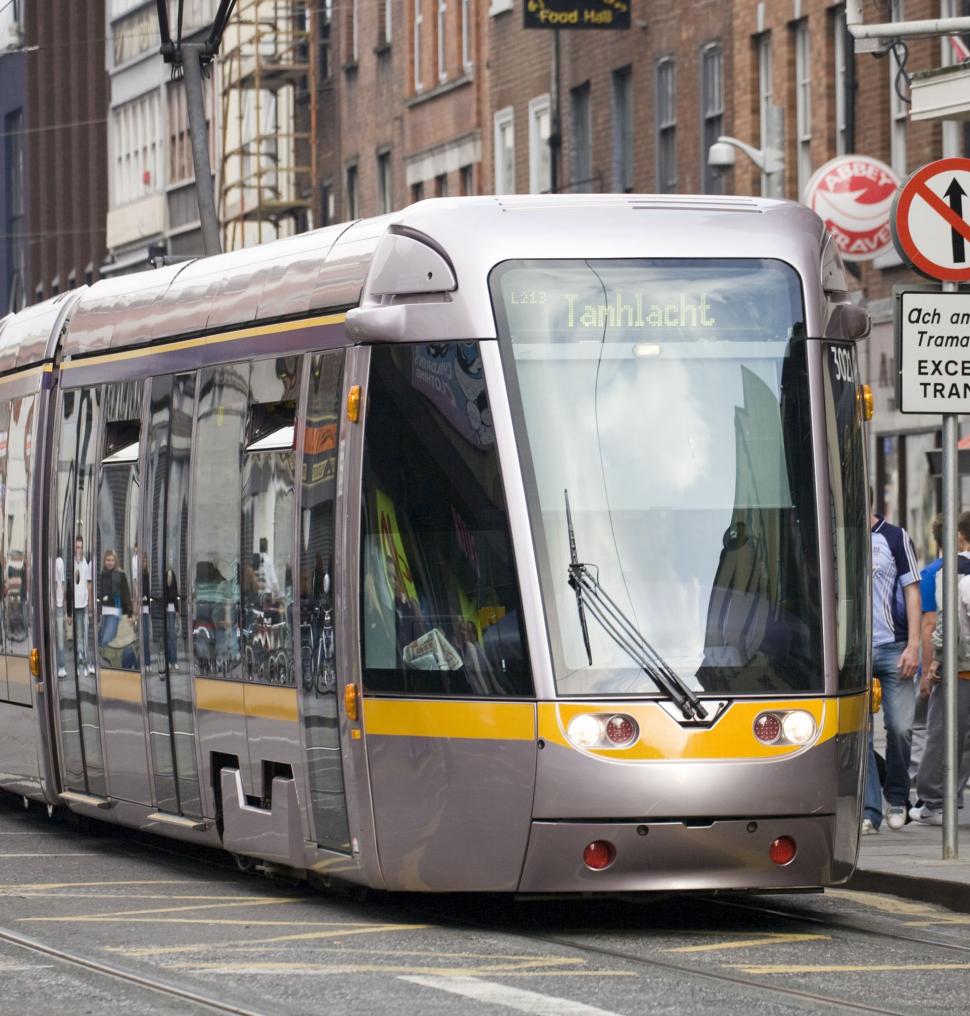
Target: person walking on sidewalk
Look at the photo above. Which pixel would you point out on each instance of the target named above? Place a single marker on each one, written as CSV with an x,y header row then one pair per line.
x,y
927,592
895,661
929,778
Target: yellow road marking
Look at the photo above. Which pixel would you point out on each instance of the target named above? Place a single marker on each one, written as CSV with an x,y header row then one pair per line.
x,y
246,923
886,904
943,918
283,967
847,968
171,910
95,885
337,932
769,938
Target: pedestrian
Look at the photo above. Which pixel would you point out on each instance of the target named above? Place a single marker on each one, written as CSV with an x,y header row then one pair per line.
x,y
927,592
895,661
82,598
929,778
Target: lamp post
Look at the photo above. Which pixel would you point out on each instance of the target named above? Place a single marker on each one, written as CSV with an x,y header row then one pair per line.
x,y
770,159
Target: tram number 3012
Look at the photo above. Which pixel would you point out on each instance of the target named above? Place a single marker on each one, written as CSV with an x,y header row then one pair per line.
x,y
842,360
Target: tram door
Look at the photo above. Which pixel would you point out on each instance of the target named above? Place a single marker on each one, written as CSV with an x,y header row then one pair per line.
x,y
164,604
72,544
115,616
318,603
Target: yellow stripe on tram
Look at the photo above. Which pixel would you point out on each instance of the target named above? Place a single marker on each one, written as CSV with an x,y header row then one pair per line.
x,y
475,720
243,699
206,340
120,685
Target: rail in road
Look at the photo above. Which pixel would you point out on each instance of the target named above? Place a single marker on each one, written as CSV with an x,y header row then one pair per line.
x,y
94,914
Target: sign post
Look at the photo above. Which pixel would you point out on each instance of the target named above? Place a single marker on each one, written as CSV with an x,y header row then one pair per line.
x,y
930,232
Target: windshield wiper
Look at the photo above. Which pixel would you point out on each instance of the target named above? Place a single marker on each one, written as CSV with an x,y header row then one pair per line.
x,y
591,596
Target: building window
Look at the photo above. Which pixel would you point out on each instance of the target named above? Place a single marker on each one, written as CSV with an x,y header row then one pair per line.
x,y
898,103
803,104
505,151
841,48
352,31
582,161
417,191
766,93
384,22
351,189
540,164
384,182
712,99
441,185
467,180
466,35
442,27
324,19
136,138
328,211
623,130
666,127
416,43
15,212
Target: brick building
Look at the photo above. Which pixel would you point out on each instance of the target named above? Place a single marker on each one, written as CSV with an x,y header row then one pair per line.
x,y
54,150
401,95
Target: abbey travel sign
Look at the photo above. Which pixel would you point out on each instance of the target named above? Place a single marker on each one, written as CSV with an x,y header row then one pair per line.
x,y
577,13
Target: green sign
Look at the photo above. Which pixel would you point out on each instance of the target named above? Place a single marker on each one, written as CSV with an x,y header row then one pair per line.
x,y
577,13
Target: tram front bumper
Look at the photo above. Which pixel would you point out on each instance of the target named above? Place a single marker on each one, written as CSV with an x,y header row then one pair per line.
x,y
675,855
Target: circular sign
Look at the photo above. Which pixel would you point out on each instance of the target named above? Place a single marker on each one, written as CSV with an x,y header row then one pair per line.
x,y
853,195
930,226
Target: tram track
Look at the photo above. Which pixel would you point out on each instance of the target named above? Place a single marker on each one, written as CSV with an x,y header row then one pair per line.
x,y
165,988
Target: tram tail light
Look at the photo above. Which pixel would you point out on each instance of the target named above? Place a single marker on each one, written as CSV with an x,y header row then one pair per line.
x,y
782,850
599,854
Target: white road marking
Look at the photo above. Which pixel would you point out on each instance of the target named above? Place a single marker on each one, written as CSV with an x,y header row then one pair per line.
x,y
86,853
512,998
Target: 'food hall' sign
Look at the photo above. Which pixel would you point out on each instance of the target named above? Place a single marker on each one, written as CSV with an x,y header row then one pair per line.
x,y
577,14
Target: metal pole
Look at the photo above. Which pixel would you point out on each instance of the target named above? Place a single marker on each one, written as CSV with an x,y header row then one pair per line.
x,y
951,627
555,133
192,68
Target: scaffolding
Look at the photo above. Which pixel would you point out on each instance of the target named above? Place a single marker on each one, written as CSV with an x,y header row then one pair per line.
x,y
265,187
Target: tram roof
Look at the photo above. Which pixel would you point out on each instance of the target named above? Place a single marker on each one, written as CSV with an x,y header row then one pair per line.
x,y
327,268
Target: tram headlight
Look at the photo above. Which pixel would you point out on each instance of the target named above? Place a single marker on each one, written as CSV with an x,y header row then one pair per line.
x,y
602,730
798,726
794,726
584,731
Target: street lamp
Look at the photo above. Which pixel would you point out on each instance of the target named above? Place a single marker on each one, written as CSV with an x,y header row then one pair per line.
x,y
770,159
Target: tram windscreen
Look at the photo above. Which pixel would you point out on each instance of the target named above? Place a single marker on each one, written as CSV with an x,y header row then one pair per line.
x,y
667,403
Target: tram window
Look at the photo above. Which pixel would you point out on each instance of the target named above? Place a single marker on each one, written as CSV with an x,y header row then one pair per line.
x,y
220,436
441,611
849,508
670,399
267,523
119,559
16,596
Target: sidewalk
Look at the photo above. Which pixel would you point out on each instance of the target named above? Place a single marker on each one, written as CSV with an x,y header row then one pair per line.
x,y
909,863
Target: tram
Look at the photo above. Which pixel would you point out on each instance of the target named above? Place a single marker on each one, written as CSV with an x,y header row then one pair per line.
x,y
508,544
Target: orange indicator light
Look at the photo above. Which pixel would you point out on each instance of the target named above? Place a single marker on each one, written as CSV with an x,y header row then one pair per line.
x,y
35,663
350,701
353,404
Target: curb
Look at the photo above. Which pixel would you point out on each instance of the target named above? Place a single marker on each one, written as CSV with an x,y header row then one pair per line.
x,y
952,895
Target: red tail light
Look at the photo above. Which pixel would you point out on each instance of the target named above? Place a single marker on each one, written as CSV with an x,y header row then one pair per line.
x,y
782,850
599,855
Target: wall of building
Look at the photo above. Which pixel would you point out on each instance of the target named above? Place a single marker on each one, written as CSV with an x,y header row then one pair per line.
x,y
14,222
67,156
